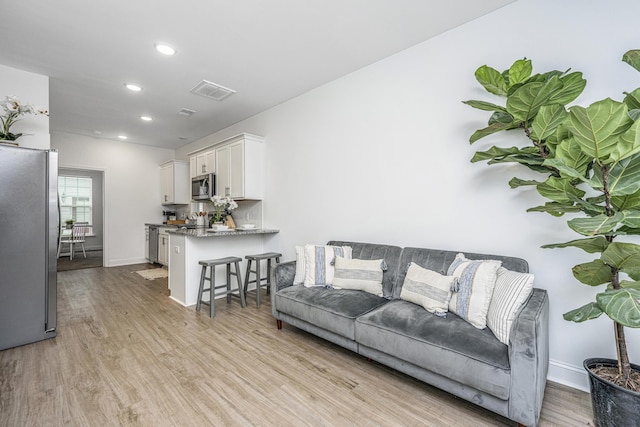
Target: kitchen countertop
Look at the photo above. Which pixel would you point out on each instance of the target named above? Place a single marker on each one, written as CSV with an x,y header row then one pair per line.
x,y
207,232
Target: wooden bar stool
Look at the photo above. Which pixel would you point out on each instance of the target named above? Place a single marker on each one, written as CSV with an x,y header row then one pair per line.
x,y
258,278
212,263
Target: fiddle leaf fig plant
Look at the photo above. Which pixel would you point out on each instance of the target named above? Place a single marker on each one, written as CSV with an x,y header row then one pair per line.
x,y
589,161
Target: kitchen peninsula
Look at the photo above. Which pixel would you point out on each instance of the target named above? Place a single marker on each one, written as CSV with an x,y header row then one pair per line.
x,y
189,246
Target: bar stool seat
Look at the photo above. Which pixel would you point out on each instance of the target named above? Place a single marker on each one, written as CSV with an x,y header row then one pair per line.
x,y
258,278
212,289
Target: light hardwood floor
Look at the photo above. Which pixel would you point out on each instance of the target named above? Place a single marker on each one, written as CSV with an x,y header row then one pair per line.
x,y
127,355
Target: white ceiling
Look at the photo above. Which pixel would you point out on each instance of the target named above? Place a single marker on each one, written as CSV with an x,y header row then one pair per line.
x,y
268,51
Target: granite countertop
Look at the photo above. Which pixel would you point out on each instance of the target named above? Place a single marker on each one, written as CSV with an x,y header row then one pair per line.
x,y
207,232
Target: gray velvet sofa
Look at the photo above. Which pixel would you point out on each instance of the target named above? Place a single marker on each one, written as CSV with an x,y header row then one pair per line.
x,y
448,352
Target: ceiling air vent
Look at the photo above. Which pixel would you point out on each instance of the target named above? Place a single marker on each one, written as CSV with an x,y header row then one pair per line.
x,y
212,91
185,112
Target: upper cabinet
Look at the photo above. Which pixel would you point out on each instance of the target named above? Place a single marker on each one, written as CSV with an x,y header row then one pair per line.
x,y
202,163
238,163
175,183
240,167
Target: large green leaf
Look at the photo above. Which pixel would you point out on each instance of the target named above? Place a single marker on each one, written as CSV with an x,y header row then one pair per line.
x,y
632,58
631,218
520,71
628,143
500,153
590,245
525,102
621,305
627,201
555,208
517,182
597,127
570,153
547,120
625,257
489,130
586,312
491,80
572,86
600,224
633,100
559,190
623,178
592,273
566,171
485,106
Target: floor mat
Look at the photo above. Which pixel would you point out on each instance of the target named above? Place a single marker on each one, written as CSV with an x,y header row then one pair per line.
x,y
154,273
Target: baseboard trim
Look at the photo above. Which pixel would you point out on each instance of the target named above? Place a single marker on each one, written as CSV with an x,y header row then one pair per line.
x,y
569,375
121,262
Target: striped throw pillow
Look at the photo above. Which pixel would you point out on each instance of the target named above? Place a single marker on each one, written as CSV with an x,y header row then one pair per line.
x,y
476,281
318,263
427,288
299,277
359,274
511,291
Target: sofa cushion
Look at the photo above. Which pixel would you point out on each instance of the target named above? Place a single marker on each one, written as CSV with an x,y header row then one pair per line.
x,y
318,263
428,289
511,291
390,254
359,274
332,309
476,282
448,346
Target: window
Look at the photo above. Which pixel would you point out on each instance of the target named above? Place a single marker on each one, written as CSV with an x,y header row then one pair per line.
x,y
75,198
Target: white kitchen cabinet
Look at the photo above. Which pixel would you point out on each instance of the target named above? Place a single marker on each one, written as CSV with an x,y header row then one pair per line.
x,y
163,246
240,167
175,183
202,163
146,242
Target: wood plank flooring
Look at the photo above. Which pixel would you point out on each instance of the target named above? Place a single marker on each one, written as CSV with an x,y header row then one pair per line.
x,y
127,355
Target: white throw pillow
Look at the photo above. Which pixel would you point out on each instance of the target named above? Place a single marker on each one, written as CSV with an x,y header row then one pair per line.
x,y
427,288
299,277
511,291
476,281
318,263
359,274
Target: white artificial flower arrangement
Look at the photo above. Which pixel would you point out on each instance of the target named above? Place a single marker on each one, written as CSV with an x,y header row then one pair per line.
x,y
12,110
222,207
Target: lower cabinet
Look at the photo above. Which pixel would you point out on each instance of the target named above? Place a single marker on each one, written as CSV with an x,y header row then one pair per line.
x,y
163,247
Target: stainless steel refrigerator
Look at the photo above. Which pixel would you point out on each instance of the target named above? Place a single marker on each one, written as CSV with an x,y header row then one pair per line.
x,y
29,232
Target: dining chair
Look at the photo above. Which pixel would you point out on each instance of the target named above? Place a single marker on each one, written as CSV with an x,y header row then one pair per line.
x,y
77,236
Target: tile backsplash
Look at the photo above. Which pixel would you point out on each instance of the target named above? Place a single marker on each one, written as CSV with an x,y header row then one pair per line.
x,y
248,211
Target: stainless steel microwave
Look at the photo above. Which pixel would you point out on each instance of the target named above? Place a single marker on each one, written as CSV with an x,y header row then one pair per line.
x,y
203,187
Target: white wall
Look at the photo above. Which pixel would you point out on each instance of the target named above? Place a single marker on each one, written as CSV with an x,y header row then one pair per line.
x,y
32,89
382,155
131,184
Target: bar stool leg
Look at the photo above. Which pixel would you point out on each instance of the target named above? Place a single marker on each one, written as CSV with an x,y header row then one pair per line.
x,y
246,277
268,276
228,270
258,282
202,275
243,302
212,292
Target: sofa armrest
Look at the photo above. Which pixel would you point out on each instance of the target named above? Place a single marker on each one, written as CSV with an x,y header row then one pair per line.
x,y
283,276
529,358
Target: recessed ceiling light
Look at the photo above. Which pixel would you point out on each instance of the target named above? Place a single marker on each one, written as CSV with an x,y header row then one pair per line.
x,y
146,118
132,86
97,132
165,49
122,136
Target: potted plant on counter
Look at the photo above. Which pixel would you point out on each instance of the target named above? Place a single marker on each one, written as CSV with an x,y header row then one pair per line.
x,y
590,161
222,206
